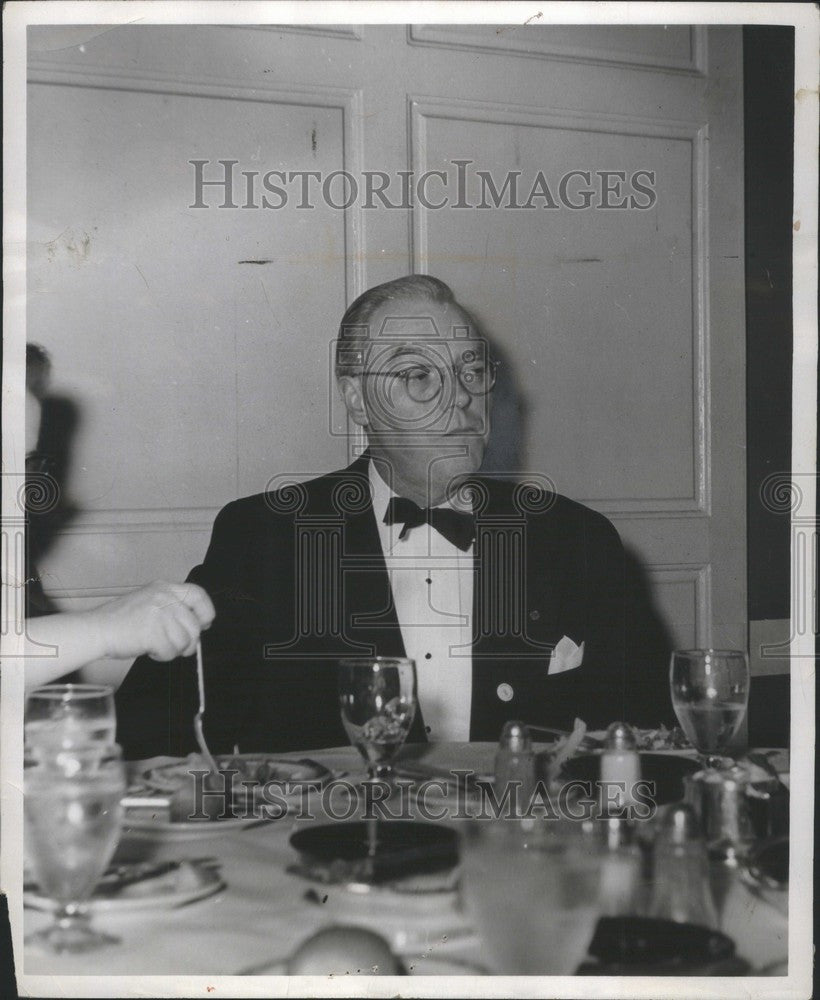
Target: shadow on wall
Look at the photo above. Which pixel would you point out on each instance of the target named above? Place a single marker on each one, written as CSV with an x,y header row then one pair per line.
x,y
648,647
58,429
505,452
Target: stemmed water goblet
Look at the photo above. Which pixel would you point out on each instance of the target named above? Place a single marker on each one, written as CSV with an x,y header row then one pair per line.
x,y
65,715
73,820
377,697
710,693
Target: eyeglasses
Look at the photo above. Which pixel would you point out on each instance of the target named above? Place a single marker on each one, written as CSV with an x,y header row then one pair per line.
x,y
425,382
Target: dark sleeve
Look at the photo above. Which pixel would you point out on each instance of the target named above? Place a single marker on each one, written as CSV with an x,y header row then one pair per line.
x,y
156,702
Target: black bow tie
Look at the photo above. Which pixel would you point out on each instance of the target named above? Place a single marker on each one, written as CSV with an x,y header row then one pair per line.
x,y
456,526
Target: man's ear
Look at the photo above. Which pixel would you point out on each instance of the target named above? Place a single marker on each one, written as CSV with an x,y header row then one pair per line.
x,y
350,386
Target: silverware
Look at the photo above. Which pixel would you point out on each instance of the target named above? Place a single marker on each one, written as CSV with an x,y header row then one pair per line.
x,y
592,742
200,736
119,877
469,781
116,879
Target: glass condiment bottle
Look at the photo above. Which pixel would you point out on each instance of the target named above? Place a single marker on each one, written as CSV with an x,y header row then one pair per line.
x,y
620,768
719,797
515,763
621,869
681,884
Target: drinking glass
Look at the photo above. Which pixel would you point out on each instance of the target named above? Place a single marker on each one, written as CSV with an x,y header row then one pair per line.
x,y
535,895
377,696
73,820
66,715
710,692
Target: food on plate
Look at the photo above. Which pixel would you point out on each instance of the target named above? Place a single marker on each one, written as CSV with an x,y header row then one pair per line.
x,y
136,882
583,741
242,783
340,951
244,770
662,739
179,877
564,748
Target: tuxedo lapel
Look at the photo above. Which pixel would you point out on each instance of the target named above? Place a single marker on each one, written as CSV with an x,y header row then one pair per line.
x,y
516,602
369,613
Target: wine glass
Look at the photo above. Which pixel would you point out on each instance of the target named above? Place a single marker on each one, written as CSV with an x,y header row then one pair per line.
x,y
73,820
66,715
710,692
377,696
533,889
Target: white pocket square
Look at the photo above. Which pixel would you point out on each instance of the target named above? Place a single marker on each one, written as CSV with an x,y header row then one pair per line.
x,y
566,656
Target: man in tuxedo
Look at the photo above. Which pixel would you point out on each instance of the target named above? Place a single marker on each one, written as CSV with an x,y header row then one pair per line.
x,y
514,602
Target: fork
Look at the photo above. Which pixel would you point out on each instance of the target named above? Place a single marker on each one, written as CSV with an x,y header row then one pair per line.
x,y
200,736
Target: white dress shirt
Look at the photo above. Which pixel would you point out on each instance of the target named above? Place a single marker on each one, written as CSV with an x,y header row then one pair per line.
x,y
432,584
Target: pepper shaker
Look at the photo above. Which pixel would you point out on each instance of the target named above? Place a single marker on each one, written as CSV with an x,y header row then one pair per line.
x,y
681,885
515,762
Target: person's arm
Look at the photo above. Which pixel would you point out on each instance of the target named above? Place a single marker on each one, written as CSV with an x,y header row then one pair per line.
x,y
155,708
162,620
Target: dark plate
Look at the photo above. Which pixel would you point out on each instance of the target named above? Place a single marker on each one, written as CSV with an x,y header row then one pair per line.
x,y
645,946
340,852
666,771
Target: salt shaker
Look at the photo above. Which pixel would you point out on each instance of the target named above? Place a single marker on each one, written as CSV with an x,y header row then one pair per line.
x,y
515,762
621,869
620,766
681,871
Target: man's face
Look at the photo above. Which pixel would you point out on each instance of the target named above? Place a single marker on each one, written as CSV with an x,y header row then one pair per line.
x,y
425,392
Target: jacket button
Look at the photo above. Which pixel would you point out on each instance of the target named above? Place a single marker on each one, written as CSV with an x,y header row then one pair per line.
x,y
504,692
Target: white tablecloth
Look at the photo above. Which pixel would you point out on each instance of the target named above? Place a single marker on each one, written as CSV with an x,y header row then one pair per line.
x,y
264,912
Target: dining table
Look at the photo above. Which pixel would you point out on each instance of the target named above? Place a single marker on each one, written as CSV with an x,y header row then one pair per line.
x,y
259,909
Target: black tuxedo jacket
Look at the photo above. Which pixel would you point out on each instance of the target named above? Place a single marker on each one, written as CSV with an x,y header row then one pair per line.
x,y
299,581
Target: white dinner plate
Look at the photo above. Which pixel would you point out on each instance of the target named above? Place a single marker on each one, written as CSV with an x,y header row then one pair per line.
x,y
193,830
184,884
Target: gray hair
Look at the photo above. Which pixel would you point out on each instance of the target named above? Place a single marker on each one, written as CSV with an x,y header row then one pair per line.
x,y
355,326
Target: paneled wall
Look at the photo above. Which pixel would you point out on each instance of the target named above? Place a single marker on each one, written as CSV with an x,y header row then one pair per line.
x,y
195,343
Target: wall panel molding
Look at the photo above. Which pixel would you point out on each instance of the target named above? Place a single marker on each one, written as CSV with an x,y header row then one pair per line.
x,y
699,577
159,520
50,72
351,31
89,596
420,110
533,44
